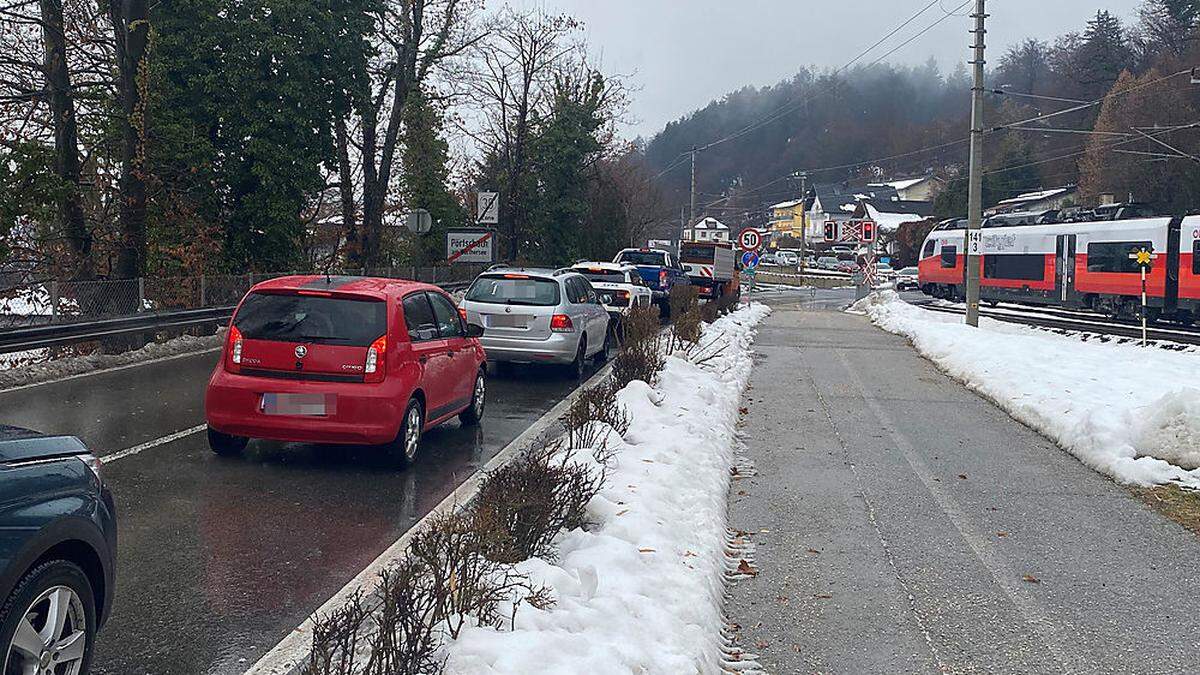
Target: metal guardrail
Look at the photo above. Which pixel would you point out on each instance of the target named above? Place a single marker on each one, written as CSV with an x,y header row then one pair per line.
x,y
51,335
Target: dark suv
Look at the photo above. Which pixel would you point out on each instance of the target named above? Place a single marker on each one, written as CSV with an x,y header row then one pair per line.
x,y
58,540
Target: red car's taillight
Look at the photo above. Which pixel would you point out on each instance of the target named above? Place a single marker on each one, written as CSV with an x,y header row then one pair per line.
x,y
233,351
376,363
561,323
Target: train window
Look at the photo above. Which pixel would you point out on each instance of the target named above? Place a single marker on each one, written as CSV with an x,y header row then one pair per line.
x,y
1196,257
928,249
1114,256
949,255
1024,267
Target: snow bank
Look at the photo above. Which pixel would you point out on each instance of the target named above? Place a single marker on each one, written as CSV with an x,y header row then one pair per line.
x,y
641,592
22,368
1129,412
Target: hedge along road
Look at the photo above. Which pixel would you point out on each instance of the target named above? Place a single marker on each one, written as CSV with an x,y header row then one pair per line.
x,y
219,559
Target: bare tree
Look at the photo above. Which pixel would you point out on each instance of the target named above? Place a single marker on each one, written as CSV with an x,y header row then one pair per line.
x,y
131,30
514,80
416,38
66,134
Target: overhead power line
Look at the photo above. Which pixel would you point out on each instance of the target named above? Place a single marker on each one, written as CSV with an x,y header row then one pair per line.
x,y
1015,126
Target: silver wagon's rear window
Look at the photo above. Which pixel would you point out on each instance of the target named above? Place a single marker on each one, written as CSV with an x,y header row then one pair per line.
x,y
513,289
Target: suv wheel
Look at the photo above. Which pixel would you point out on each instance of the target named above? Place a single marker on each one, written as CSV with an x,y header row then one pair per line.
x,y
48,624
226,445
474,412
403,449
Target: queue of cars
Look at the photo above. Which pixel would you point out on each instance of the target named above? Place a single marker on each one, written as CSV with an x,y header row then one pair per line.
x,y
371,361
311,358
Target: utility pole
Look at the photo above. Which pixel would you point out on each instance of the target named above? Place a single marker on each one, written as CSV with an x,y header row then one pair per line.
x,y
692,211
972,247
803,218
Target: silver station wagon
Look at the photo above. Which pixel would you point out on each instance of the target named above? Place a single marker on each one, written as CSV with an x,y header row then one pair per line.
x,y
539,316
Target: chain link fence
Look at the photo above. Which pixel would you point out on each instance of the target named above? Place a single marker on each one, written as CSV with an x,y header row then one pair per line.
x,y
56,302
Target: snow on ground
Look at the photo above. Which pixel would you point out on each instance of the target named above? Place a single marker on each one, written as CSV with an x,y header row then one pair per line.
x,y
641,591
1129,412
34,301
20,368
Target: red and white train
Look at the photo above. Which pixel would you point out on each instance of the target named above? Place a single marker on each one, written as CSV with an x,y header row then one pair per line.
x,y
1079,265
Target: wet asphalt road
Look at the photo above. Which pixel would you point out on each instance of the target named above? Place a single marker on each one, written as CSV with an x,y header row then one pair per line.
x,y
219,558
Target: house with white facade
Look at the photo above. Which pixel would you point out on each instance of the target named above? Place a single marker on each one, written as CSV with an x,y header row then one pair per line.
x,y
707,229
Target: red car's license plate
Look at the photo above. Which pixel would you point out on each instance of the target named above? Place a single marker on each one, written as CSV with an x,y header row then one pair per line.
x,y
299,404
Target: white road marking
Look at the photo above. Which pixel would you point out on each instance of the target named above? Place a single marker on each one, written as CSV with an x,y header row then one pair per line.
x,y
287,656
153,444
112,369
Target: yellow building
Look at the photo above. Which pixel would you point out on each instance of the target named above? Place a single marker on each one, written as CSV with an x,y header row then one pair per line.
x,y
787,218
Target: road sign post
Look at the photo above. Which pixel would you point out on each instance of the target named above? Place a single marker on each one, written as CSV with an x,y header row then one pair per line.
x,y
750,239
470,246
1145,261
419,221
487,208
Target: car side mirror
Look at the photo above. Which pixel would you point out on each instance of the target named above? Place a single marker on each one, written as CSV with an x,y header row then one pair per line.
x,y
474,330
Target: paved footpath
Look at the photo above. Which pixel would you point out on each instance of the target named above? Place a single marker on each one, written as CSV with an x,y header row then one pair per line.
x,y
905,525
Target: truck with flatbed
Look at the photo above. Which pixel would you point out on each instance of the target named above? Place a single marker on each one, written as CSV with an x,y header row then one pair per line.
x,y
711,267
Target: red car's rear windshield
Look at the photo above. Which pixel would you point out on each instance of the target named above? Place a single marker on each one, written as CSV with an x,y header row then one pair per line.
x,y
309,318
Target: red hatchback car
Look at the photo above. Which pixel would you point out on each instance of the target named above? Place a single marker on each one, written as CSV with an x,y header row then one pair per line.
x,y
344,360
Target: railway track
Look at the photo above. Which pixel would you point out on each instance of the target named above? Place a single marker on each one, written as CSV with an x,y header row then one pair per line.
x,y
1080,322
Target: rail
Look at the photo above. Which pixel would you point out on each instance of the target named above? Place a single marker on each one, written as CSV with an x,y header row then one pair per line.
x,y
1030,316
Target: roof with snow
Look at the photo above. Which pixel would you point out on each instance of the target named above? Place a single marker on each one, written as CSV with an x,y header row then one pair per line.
x,y
788,205
1038,196
709,223
902,184
891,214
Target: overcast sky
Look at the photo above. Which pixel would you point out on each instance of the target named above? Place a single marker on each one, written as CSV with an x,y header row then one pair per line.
x,y
684,53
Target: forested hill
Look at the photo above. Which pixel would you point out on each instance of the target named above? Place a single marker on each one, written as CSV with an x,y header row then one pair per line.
x,y
815,120
831,124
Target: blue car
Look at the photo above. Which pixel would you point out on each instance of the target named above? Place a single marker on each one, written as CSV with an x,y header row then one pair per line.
x,y
58,540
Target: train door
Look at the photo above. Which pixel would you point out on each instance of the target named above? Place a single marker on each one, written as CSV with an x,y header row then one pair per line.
x,y
1171,295
1064,265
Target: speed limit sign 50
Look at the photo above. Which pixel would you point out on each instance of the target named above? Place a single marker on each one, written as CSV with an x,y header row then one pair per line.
x,y
750,239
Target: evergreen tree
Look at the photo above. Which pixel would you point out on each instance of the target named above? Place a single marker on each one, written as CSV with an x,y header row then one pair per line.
x,y
1103,53
425,177
1170,25
1025,67
243,98
563,154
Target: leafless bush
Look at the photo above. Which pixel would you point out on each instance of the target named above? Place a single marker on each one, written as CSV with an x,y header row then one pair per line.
x,y
336,638
525,503
406,642
641,355
595,404
682,299
685,318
